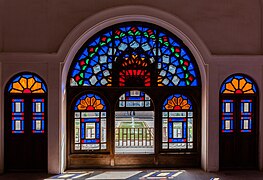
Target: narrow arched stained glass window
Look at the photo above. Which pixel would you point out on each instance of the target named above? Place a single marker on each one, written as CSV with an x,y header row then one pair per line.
x,y
141,55
90,123
27,83
237,104
177,123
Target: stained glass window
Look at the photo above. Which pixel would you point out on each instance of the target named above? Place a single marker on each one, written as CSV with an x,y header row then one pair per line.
x,y
177,123
90,123
238,84
134,98
38,114
18,109
140,55
27,83
237,114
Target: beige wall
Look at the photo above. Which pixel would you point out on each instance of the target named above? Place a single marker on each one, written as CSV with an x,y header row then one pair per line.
x,y
226,27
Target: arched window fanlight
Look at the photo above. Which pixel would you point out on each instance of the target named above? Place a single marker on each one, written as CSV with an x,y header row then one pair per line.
x,y
145,55
177,123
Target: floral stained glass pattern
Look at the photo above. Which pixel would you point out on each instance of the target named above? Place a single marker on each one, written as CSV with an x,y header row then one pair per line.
x,y
27,83
177,123
90,123
238,84
140,49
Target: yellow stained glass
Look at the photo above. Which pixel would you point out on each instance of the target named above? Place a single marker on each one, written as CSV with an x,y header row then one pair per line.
x,y
238,86
27,84
90,103
175,103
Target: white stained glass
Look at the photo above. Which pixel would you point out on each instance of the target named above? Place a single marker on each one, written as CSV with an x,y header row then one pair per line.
x,y
177,130
165,146
165,130
38,107
134,103
77,130
122,104
227,124
227,107
135,93
177,145
89,146
165,114
190,145
18,125
103,146
38,125
17,107
246,107
103,114
77,146
77,114
177,114
103,130
190,114
90,130
122,97
90,114
190,130
246,122
147,103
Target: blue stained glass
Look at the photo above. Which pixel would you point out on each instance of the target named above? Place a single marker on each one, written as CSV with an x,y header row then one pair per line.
x,y
16,79
29,76
97,130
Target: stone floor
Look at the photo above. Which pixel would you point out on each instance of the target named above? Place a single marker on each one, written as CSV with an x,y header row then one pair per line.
x,y
138,174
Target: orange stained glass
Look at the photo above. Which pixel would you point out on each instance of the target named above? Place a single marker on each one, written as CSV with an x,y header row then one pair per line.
x,y
90,103
238,85
27,83
177,103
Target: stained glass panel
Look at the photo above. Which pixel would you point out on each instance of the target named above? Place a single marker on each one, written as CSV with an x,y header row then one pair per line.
x,y
38,116
27,83
132,51
134,98
177,121
90,123
238,84
246,110
18,110
227,116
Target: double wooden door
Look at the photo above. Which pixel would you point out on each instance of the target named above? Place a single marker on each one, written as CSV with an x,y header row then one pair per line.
x,y
238,133
25,133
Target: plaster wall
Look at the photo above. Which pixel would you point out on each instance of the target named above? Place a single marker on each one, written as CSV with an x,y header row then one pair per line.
x,y
226,27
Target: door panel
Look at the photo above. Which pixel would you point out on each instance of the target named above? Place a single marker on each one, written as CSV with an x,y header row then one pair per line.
x,y
238,142
25,148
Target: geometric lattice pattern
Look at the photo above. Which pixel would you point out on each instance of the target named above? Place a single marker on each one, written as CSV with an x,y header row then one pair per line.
x,y
133,50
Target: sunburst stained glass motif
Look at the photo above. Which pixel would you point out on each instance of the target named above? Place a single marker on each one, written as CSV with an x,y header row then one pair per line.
x,y
177,123
238,84
177,102
140,49
90,102
27,83
90,123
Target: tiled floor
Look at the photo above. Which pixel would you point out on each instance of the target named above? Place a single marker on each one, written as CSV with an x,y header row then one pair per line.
x,y
138,174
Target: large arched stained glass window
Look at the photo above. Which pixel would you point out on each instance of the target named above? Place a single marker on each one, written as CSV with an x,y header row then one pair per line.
x,y
90,123
177,123
144,54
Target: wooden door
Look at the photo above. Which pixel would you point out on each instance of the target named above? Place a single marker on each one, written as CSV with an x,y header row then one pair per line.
x,y
25,133
238,133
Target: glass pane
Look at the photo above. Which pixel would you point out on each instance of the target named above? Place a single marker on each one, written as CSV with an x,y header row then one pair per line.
x,y
246,107
190,129
246,122
17,107
177,130
77,114
165,130
90,130
77,130
18,125
103,130
38,107
227,107
38,125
